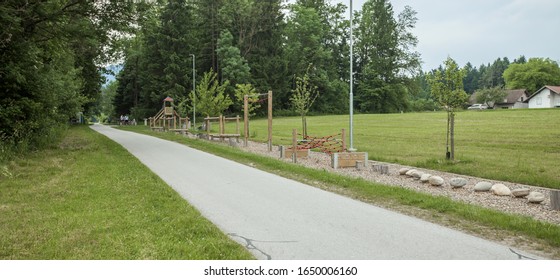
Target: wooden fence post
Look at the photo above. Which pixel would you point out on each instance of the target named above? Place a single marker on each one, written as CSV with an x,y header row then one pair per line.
x,y
237,124
221,124
246,118
343,136
270,120
555,199
294,145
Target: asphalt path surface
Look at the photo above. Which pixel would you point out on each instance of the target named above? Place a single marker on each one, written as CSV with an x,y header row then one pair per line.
x,y
278,218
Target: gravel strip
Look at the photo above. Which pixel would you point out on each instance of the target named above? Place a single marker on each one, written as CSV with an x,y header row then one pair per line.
x,y
508,204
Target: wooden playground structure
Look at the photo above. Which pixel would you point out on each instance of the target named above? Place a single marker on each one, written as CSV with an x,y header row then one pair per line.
x,y
167,119
246,118
222,134
222,120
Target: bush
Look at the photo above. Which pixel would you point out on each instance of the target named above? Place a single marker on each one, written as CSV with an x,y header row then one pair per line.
x,y
422,105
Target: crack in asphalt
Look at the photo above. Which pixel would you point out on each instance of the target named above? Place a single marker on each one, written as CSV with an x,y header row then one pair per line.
x,y
250,246
520,256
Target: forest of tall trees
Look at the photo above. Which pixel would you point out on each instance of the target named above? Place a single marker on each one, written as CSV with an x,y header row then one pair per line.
x,y
269,44
54,55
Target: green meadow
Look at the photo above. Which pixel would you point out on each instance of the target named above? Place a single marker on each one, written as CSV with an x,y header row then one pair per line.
x,y
519,146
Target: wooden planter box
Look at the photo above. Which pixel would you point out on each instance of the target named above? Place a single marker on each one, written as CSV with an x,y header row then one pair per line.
x,y
287,153
346,159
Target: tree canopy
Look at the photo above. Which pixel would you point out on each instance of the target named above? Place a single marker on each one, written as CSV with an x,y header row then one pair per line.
x,y
50,63
533,75
385,56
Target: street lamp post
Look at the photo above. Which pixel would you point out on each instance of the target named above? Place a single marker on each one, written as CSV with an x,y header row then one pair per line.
x,y
194,90
351,82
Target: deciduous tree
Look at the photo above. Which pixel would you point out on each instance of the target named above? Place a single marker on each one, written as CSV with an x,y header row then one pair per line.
x,y
253,97
533,75
385,57
211,99
490,96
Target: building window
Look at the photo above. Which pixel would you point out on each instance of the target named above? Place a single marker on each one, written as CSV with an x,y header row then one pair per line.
x,y
539,100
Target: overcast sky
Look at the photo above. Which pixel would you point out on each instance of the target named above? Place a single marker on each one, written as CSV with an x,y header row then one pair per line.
x,y
480,31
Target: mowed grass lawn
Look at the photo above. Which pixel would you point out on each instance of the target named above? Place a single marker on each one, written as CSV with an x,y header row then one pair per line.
x,y
88,198
520,146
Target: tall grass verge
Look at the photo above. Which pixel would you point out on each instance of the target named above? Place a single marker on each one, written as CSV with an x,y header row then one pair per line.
x,y
86,197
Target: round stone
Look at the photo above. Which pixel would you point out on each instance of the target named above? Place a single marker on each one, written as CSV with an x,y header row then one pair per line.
x,y
410,172
403,170
425,177
535,197
482,186
436,181
523,192
501,190
458,182
417,175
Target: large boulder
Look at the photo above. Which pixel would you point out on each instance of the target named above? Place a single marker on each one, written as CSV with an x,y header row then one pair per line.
x,y
482,186
523,192
436,181
501,190
535,197
403,170
458,182
425,177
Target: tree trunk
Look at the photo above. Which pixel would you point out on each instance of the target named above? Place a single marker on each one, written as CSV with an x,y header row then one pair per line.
x,y
452,135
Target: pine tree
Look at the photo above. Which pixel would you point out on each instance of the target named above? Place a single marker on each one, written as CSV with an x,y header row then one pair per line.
x,y
234,68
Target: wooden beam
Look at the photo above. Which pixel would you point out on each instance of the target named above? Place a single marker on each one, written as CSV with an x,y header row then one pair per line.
x,y
294,145
270,120
246,118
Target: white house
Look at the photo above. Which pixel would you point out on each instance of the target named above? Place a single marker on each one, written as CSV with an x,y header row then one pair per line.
x,y
546,97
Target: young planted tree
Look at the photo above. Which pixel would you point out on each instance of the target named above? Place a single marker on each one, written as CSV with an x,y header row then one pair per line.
x,y
211,99
447,89
247,89
303,97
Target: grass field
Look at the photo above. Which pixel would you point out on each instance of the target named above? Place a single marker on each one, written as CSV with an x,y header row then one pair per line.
x,y
88,198
520,146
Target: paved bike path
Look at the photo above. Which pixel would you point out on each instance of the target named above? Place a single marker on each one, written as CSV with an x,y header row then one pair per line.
x,y
278,218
